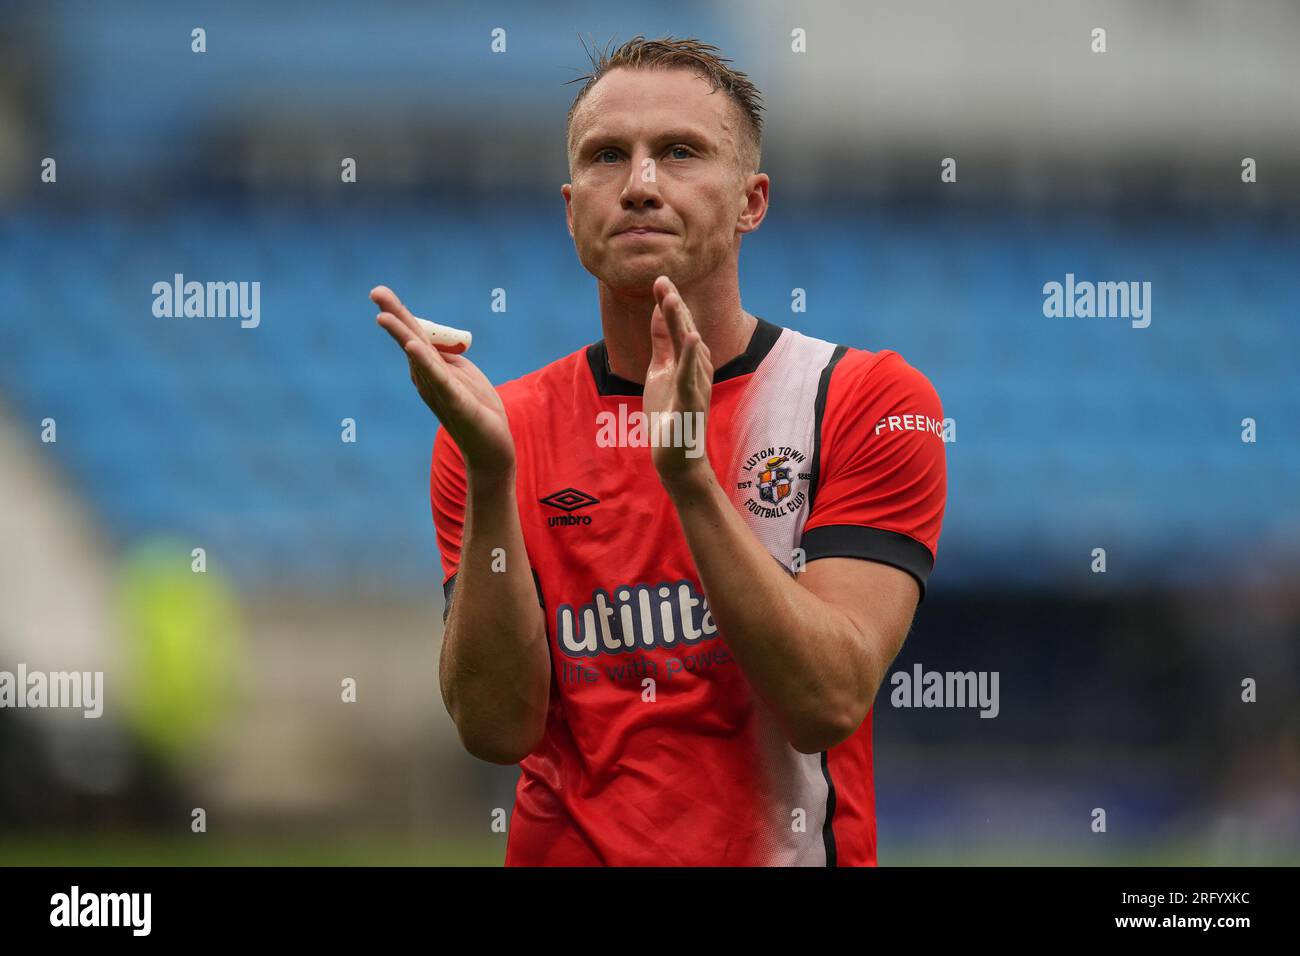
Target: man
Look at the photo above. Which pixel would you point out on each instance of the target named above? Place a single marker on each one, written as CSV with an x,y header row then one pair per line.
x,y
678,634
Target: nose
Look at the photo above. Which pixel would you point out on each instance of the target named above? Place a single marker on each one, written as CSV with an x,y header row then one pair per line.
x,y
641,190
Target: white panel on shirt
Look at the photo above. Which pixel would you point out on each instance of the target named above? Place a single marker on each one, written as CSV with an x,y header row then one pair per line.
x,y
777,411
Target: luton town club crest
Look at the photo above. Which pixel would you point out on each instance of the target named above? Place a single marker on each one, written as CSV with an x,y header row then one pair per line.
x,y
773,472
774,481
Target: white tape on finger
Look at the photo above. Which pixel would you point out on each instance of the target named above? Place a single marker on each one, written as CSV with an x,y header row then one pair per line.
x,y
444,338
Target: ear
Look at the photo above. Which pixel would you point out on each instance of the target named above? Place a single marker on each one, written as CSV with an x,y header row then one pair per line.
x,y
756,193
567,192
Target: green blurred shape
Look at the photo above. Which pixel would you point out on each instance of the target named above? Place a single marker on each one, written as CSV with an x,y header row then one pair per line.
x,y
182,641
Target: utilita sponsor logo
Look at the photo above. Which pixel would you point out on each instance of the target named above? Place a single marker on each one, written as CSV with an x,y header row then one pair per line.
x,y
636,617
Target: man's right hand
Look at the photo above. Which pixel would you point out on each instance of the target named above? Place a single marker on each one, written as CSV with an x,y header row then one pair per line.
x,y
455,390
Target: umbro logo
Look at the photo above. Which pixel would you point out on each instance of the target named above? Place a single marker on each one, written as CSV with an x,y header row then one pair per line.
x,y
568,500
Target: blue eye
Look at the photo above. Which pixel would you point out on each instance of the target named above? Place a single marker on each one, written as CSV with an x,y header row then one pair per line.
x,y
686,149
605,152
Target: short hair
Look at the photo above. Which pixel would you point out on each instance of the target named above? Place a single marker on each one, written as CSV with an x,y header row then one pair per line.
x,y
672,53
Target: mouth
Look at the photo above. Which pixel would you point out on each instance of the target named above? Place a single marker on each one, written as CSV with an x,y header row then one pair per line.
x,y
642,231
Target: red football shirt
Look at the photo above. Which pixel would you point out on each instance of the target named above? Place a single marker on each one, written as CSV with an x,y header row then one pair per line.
x,y
657,751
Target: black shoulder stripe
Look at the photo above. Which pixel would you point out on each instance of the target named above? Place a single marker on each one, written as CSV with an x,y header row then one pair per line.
x,y
819,412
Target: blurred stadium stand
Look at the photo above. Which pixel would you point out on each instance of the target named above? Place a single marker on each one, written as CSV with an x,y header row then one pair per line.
x,y
1072,433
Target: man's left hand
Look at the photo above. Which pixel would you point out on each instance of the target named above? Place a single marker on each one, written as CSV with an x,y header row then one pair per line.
x,y
678,386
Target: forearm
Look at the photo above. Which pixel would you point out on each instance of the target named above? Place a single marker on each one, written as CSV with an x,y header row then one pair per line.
x,y
495,668
802,655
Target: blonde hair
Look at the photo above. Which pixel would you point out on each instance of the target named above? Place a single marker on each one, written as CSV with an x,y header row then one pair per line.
x,y
671,53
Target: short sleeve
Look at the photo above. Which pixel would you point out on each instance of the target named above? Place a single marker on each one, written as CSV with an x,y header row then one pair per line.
x,y
880,477
447,493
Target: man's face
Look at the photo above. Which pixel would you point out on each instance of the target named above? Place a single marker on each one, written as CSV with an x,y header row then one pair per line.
x,y
655,148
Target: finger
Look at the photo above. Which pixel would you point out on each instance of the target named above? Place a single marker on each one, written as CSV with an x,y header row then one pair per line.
x,y
429,370
662,286
671,305
424,356
682,315
686,373
387,300
395,327
669,289
690,382
703,367
683,312
705,370
662,347
455,359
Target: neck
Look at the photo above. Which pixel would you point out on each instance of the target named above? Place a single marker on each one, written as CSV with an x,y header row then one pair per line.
x,y
714,302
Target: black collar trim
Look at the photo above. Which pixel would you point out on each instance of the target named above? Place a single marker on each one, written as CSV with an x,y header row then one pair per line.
x,y
760,343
